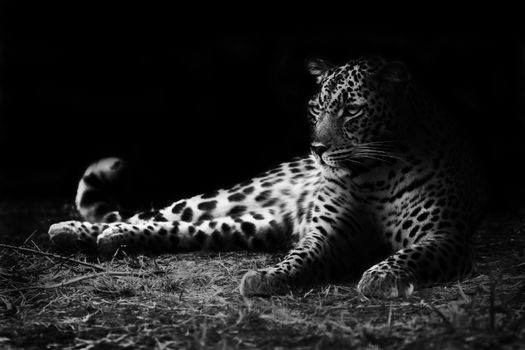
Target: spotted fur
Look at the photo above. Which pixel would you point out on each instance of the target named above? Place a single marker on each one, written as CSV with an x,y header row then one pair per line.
x,y
390,193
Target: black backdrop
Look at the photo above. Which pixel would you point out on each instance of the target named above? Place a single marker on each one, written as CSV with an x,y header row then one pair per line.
x,y
199,109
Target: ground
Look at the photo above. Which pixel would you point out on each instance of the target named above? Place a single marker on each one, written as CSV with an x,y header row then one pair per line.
x,y
191,301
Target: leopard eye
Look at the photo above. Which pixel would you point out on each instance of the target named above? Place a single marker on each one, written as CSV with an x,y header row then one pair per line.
x,y
351,112
313,114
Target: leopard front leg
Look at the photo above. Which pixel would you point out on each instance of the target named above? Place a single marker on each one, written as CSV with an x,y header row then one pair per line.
x,y
321,255
441,257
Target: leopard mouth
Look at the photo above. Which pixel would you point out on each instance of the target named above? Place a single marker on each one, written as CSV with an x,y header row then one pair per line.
x,y
334,166
353,166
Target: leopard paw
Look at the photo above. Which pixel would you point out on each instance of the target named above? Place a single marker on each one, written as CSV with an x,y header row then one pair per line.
x,y
260,283
67,235
385,284
109,241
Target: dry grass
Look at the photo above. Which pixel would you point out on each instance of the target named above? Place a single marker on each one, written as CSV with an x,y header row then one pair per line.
x,y
191,301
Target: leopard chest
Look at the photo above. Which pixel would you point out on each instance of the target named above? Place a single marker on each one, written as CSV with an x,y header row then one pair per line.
x,y
336,205
378,210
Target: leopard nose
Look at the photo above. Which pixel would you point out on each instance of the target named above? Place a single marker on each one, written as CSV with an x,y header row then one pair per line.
x,y
318,148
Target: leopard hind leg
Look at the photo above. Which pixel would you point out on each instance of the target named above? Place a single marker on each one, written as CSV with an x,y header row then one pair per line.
x,y
220,234
76,235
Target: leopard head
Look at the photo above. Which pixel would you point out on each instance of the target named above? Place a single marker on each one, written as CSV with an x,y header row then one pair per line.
x,y
355,113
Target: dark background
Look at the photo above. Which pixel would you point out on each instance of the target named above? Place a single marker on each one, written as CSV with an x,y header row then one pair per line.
x,y
200,109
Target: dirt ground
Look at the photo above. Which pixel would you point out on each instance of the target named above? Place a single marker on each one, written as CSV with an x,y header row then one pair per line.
x,y
191,301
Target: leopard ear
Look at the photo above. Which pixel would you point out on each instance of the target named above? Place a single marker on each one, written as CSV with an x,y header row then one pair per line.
x,y
318,68
394,72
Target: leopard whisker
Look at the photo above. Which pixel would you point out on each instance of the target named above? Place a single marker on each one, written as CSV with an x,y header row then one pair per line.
x,y
367,151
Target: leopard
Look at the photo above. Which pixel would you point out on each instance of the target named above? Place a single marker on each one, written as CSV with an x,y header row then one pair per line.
x,y
389,195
